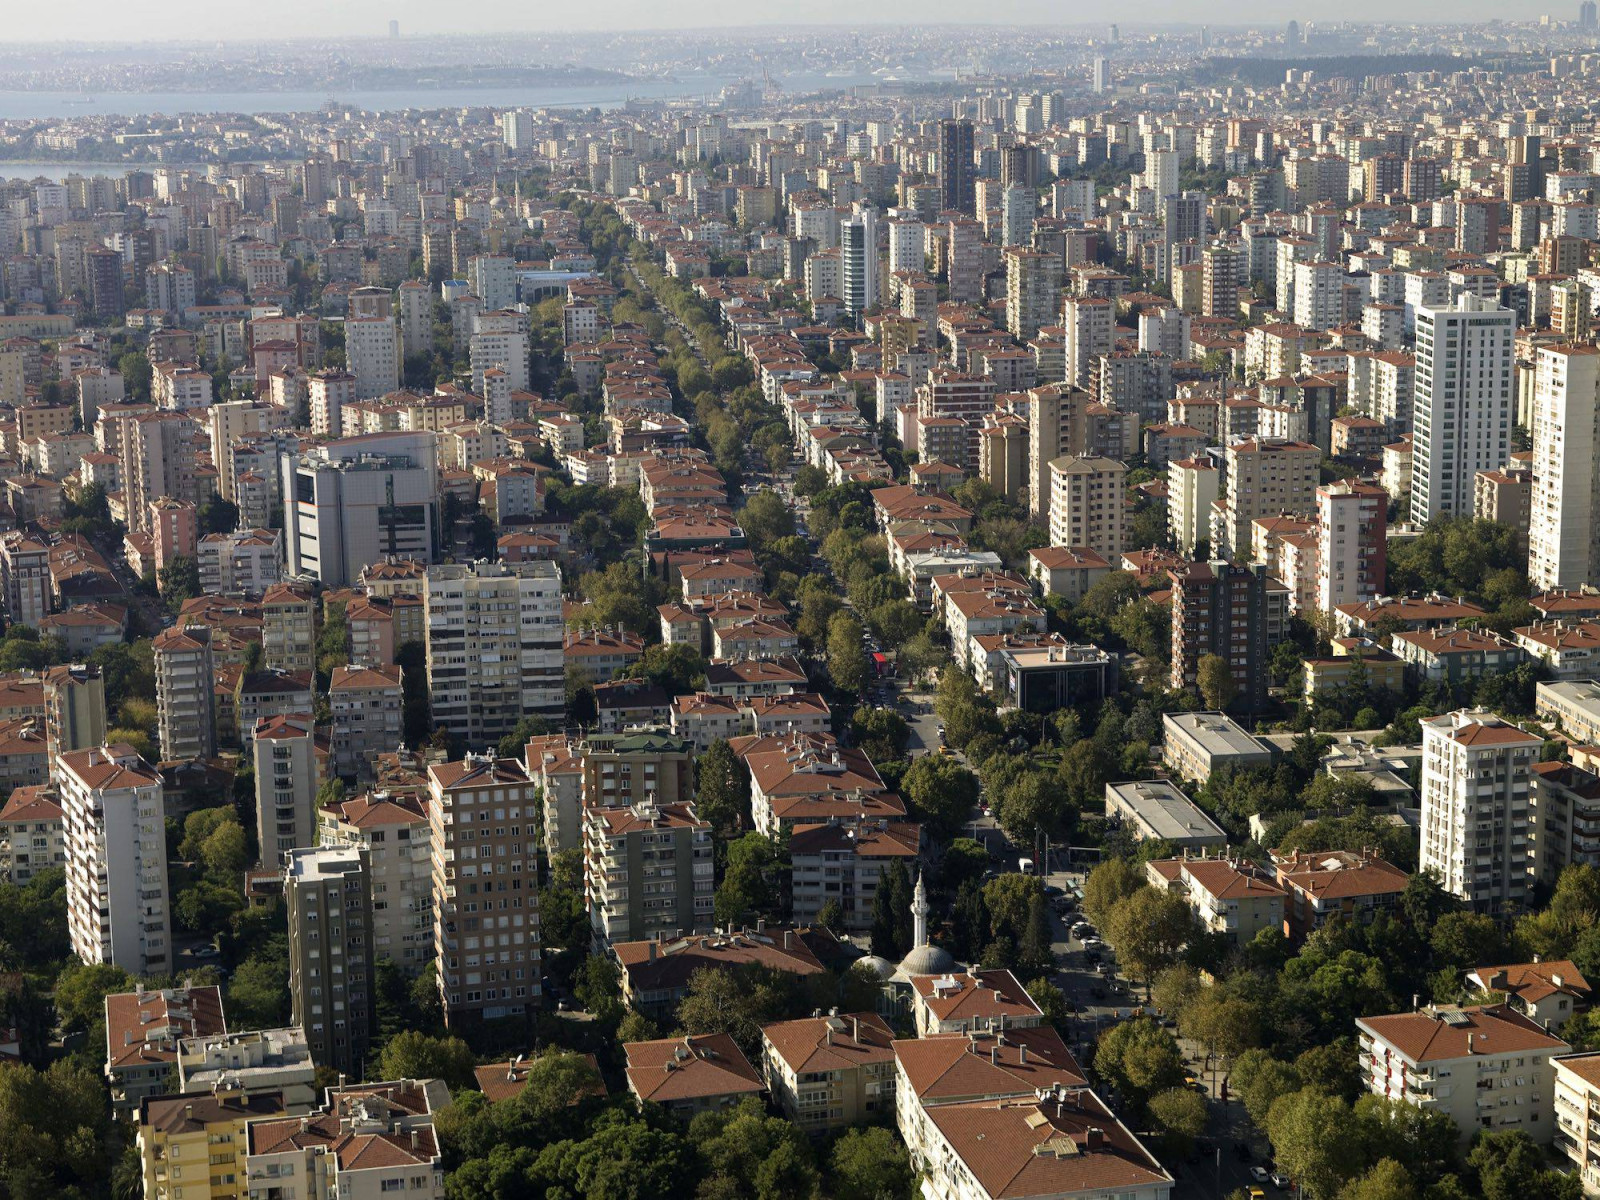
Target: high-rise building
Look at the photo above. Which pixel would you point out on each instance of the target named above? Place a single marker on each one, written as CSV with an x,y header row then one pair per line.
x,y
1564,508
357,500
1462,410
516,129
957,173
1033,287
367,703
858,256
170,288
329,897
1090,323
372,355
1018,208
289,628
494,278
1265,478
500,339
285,754
1586,15
647,871
1221,267
1234,612
494,646
1087,507
1476,772
104,279
115,824
1352,536
1102,74
185,693
393,831
482,814
329,391
74,710
416,318
25,578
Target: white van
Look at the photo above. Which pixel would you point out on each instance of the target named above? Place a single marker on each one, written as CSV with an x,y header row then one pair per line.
x,y
1025,865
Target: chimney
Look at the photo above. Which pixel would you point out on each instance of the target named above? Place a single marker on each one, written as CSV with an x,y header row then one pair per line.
x,y
188,1112
651,950
1022,1055
994,1055
1094,1138
855,1029
416,1142
827,1035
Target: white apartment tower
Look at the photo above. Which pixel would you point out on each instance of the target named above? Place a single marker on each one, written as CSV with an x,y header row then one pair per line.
x,y
372,355
1463,405
1564,511
494,646
1087,507
114,821
285,754
1090,324
858,253
1475,813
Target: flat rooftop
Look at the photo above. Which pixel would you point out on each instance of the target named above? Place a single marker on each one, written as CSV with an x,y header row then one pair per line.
x,y
1214,732
1164,810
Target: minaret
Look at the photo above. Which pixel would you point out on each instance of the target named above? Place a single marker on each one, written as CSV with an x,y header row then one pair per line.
x,y
919,914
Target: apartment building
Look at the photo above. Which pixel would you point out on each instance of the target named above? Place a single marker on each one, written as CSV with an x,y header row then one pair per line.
x,y
1087,506
284,750
1564,503
1352,528
1229,897
1476,791
289,628
691,1075
1237,613
620,770
1193,487
185,692
647,870
74,709
1265,477
114,823
254,1060
482,813
366,1141
1484,1067
844,862
1463,403
1320,885
368,707
494,646
144,1030
372,355
195,1146
393,831
328,891
32,835
830,1072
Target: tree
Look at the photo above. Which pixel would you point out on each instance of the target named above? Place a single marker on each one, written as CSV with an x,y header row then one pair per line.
x,y
721,790
942,792
81,991
1180,1114
881,733
1316,1141
1387,1180
674,669
1111,882
735,1002
1466,939
1510,1166
752,1154
1215,679
1052,1002
766,518
179,580
891,913
870,1164
54,1131
1258,1080
831,915
1148,929
1139,1058
1425,1139
414,1055
847,661
218,515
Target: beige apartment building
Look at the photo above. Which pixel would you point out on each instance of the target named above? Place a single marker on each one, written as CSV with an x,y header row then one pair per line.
x,y
1087,507
832,1071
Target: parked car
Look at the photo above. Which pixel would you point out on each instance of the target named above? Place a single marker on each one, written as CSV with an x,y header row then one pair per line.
x,y
1052,891
1259,1174
206,951
1280,1181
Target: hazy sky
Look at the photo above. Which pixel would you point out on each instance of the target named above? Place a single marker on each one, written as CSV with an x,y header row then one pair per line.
x,y
105,20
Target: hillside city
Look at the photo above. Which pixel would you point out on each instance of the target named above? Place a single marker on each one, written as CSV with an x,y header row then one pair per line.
x,y
1083,545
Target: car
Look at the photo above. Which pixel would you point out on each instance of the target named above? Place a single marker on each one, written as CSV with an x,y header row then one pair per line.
x,y
1259,1174
1280,1181
1052,891
1256,1193
1092,943
205,952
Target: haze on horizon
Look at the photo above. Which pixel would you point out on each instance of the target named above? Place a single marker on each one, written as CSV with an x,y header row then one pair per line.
x,y
189,20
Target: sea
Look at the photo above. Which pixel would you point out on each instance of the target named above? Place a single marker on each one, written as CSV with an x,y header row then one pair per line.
x,y
34,105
